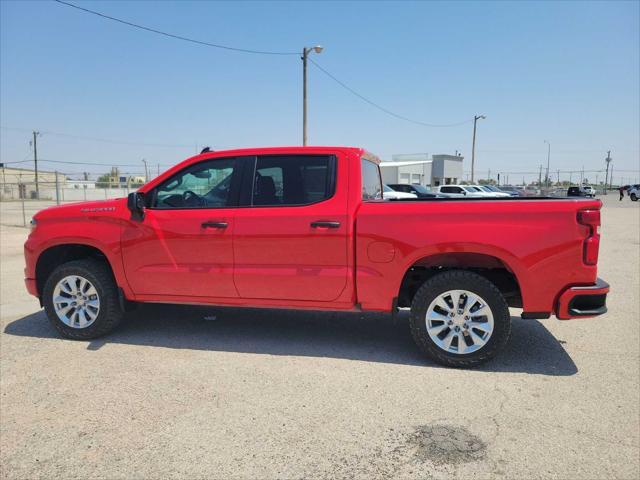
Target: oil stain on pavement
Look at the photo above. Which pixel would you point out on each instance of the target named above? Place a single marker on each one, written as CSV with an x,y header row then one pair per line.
x,y
446,444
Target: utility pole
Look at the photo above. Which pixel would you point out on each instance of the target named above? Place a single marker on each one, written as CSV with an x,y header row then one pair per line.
x,y
305,53
158,170
146,170
540,177
57,189
582,175
611,179
606,178
548,158
558,177
473,145
35,161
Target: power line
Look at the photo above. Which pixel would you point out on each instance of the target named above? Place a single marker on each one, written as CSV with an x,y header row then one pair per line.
x,y
385,110
68,162
171,35
244,50
104,140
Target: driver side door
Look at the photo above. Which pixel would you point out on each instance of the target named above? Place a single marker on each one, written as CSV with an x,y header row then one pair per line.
x,y
183,246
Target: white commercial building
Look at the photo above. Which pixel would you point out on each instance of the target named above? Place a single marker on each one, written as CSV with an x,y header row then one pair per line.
x,y
422,169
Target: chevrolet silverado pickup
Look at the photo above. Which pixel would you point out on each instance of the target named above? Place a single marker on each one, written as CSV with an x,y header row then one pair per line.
x,y
308,228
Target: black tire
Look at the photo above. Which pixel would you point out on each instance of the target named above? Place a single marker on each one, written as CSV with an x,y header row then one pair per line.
x,y
99,274
460,280
634,198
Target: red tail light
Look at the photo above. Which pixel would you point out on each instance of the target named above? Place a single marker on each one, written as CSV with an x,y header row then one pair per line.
x,y
591,219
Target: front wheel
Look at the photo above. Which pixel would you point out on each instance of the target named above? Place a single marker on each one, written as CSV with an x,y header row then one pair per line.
x,y
459,319
81,299
634,197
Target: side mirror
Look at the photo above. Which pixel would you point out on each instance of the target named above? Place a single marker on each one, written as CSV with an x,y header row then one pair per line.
x,y
464,192
135,204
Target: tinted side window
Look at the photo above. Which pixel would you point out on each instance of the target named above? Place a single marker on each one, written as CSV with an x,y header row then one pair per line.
x,y
203,185
446,190
371,184
293,179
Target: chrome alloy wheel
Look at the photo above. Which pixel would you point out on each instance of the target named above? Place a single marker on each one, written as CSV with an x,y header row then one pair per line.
x,y
76,301
459,321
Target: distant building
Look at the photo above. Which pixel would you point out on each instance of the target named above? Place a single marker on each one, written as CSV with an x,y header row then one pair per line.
x,y
21,182
420,168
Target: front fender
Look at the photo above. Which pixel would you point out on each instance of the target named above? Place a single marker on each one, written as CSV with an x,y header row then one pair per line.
x,y
97,233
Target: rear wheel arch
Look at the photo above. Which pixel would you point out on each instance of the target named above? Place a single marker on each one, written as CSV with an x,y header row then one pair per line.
x,y
493,268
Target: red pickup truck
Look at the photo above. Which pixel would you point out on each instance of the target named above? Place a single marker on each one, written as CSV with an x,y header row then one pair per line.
x,y
307,228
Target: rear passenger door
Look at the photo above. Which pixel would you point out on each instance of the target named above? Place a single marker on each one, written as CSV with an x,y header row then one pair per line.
x,y
290,240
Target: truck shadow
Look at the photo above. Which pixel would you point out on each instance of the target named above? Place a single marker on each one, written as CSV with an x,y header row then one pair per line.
x,y
354,336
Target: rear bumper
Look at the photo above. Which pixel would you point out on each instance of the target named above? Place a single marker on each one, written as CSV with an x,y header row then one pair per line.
x,y
584,301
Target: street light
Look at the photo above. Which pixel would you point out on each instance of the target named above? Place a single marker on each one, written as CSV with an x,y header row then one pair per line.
x,y
305,53
548,157
473,146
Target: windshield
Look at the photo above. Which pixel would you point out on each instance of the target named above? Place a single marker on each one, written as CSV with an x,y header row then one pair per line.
x,y
471,189
387,188
486,189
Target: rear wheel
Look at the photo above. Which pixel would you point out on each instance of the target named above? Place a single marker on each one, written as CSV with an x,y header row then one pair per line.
x,y
634,197
459,319
81,299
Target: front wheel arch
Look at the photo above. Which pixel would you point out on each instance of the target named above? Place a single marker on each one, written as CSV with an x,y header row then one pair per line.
x,y
54,256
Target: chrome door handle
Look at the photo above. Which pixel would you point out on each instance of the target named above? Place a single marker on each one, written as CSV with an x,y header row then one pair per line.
x,y
325,224
215,225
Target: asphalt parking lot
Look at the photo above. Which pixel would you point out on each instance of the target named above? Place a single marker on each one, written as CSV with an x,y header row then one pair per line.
x,y
190,392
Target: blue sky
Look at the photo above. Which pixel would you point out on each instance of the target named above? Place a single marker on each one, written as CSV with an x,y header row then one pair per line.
x,y
566,72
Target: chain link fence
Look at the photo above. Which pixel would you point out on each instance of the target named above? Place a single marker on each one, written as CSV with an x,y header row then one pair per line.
x,y
20,201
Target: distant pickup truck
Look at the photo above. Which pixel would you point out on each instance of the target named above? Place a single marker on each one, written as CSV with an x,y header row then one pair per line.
x,y
307,228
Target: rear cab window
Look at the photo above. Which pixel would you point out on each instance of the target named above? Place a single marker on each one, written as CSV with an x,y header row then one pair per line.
x,y
371,181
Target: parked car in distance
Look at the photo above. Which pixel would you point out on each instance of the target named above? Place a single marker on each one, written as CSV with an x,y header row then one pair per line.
x,y
577,192
459,191
493,191
482,191
419,190
306,228
531,191
511,190
389,193
588,190
634,192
